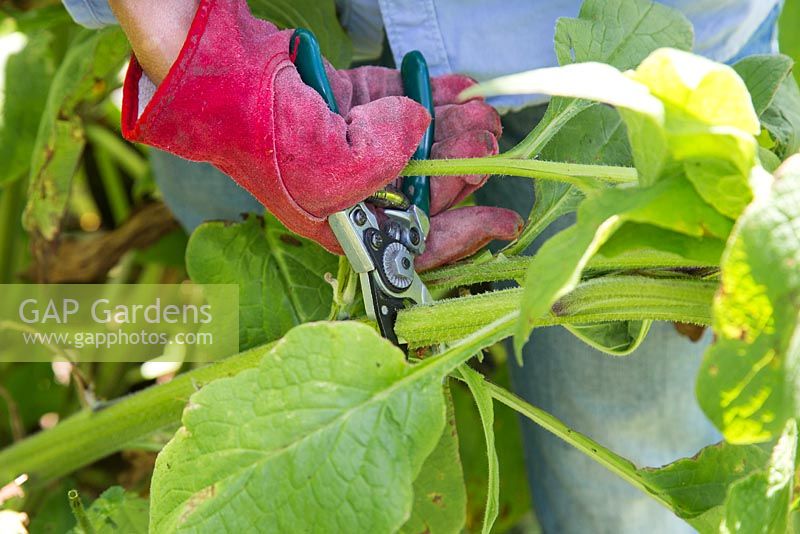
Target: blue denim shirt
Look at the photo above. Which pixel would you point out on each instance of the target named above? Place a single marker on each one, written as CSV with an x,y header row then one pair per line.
x,y
489,38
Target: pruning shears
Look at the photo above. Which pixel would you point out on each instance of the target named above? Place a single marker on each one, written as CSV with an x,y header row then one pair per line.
x,y
382,252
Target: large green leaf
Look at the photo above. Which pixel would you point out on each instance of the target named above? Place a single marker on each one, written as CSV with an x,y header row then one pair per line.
x,y
319,16
280,275
86,74
26,82
327,434
748,382
116,511
440,498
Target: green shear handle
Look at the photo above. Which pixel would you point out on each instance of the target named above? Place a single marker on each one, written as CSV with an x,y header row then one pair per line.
x,y
305,52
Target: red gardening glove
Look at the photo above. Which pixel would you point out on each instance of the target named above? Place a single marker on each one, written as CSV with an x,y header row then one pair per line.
x,y
234,98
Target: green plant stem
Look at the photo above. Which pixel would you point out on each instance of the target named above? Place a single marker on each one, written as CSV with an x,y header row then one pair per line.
x,y
502,267
620,298
113,185
127,158
76,504
585,177
12,201
93,434
612,461
344,294
536,140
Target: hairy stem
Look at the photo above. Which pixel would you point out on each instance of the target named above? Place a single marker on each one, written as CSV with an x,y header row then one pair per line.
x,y
501,267
93,434
612,461
620,298
582,176
536,140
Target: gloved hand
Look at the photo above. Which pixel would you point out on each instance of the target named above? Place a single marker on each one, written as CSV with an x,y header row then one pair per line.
x,y
234,98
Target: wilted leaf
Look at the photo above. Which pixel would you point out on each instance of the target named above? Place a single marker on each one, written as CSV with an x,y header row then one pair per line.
x,y
485,404
90,64
514,498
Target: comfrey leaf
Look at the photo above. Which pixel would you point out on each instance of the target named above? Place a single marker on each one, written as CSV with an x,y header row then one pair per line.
x,y
749,378
328,434
620,32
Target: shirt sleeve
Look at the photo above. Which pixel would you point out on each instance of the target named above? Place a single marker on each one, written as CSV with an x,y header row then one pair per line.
x,y
90,13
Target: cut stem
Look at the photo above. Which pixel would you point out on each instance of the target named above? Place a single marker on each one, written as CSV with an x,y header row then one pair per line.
x,y
76,505
548,127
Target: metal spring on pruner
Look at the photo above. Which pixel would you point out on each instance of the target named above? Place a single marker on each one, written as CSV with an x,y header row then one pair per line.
x,y
389,198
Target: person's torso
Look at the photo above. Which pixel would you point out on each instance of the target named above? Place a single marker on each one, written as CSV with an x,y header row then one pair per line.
x,y
489,38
